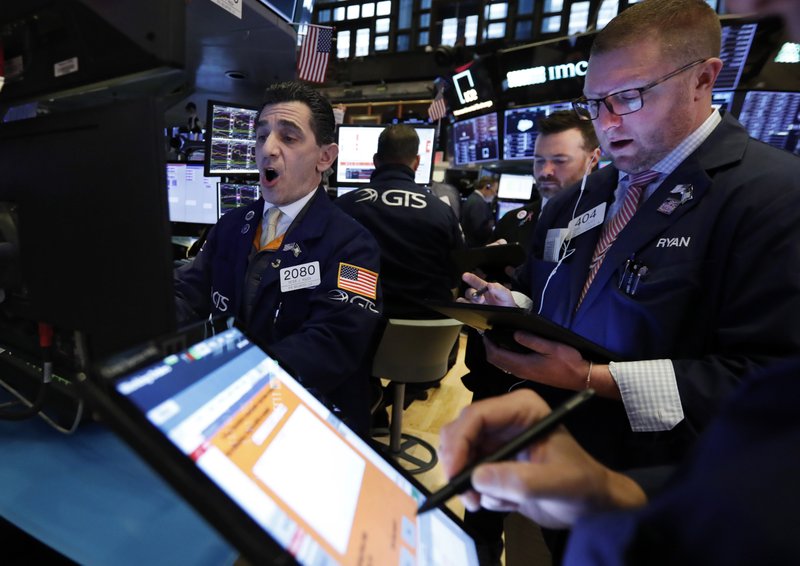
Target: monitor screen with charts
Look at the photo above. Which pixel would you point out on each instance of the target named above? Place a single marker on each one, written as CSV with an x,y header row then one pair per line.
x,y
476,140
234,195
231,139
268,464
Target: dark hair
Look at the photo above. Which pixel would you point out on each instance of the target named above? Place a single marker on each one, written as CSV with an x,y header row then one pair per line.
x,y
191,106
687,29
563,120
322,121
398,144
485,182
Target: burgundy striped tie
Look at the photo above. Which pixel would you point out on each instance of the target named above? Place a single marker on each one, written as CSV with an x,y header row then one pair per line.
x,y
611,229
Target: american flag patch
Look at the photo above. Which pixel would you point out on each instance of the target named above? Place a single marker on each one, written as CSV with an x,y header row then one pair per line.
x,y
357,279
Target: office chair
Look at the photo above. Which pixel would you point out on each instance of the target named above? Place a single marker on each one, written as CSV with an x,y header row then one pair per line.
x,y
411,351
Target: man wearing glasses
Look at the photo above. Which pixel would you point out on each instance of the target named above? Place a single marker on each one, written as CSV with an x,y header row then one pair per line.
x,y
682,257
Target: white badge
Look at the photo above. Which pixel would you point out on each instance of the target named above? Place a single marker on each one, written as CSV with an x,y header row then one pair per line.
x,y
552,245
300,276
587,220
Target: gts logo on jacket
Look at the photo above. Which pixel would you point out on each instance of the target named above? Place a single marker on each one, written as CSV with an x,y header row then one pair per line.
x,y
220,301
393,197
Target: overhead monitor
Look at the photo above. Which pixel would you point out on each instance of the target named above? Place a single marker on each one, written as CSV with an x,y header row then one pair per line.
x,y
191,195
520,128
358,144
515,187
722,99
234,195
737,38
231,139
476,140
773,117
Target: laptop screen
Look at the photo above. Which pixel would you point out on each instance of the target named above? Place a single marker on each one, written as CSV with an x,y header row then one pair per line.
x,y
287,461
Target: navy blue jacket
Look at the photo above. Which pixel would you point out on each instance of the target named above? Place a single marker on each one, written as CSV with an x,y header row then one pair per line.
x,y
721,297
324,334
733,503
416,233
477,220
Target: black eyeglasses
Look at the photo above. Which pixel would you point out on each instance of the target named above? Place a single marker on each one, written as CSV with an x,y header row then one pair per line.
x,y
625,101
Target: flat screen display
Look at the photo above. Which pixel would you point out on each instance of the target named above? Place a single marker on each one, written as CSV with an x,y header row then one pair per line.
x,y
515,187
358,144
737,38
234,195
773,117
476,139
231,139
191,195
505,206
520,128
298,474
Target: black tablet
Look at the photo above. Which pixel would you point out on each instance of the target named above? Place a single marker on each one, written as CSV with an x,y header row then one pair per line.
x,y
500,323
266,463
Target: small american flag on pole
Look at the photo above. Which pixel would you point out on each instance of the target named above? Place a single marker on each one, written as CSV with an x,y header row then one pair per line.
x,y
357,279
438,108
313,60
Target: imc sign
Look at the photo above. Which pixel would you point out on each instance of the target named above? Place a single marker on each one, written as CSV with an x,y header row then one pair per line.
x,y
542,74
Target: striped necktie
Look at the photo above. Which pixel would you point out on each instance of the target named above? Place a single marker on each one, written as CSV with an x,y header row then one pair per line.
x,y
611,229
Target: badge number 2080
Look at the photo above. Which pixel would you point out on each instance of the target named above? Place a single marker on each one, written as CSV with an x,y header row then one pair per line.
x,y
300,276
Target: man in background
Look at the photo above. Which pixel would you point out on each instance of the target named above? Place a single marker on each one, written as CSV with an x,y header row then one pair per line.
x,y
415,230
566,149
297,273
477,212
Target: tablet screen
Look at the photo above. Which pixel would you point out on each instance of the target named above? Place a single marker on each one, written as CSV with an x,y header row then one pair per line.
x,y
300,473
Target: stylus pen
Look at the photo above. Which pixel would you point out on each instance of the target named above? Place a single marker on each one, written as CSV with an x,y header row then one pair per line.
x,y
462,482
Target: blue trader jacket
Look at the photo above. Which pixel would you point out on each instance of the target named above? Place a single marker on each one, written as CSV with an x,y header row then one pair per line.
x,y
322,332
720,296
416,232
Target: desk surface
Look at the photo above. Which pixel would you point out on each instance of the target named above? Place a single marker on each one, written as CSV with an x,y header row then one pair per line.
x,y
89,496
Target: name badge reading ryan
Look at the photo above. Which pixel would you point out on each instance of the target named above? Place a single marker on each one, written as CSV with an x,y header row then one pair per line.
x,y
300,276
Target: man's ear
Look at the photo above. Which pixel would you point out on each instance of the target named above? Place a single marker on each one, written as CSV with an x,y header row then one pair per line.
x,y
327,155
415,163
595,158
708,75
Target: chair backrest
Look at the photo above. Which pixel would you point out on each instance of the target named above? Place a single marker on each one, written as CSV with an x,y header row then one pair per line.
x,y
413,351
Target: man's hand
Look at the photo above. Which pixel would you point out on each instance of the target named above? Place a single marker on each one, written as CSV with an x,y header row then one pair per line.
x,y
554,482
482,292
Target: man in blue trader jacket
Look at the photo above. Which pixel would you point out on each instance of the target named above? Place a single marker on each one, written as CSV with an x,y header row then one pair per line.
x,y
415,230
298,273
700,286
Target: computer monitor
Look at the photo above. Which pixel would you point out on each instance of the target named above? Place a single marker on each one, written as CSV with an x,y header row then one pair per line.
x,y
515,187
520,128
359,143
476,140
343,190
504,206
84,222
773,117
737,38
231,139
192,196
234,195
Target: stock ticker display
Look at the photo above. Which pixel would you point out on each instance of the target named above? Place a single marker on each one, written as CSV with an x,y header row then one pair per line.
x,y
773,117
232,149
476,139
234,195
520,128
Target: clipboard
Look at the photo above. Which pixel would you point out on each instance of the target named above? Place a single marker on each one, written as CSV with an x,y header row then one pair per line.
x,y
499,324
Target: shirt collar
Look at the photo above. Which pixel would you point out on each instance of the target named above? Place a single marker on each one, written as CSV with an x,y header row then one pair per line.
x,y
292,209
688,145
